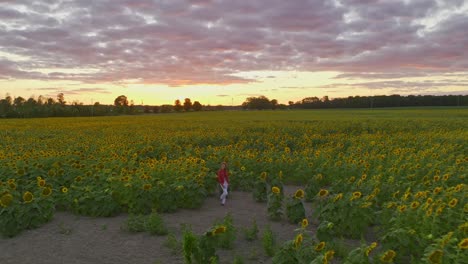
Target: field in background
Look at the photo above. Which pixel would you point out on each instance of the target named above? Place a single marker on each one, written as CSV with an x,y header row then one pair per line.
x,y
402,170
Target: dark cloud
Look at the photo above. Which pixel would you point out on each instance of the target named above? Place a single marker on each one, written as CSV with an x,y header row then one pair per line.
x,y
179,42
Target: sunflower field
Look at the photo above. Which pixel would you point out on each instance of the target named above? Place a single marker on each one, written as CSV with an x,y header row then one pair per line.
x,y
400,173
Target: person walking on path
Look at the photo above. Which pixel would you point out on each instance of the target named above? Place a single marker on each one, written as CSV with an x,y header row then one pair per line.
x,y
223,180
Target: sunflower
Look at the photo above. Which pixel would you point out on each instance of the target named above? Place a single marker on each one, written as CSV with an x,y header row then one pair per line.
x,y
352,179
463,244
220,229
304,223
364,176
275,189
437,190
440,209
414,205
356,195
263,176
328,256
298,240
299,194
391,205
64,189
453,203
320,246
28,197
446,177
242,168
41,183
323,193
12,185
436,178
429,200
366,205
46,191
338,197
78,178
388,256
6,200
429,212
402,208
147,187
436,257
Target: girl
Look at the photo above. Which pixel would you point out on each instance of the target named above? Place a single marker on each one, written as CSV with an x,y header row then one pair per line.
x,y
223,180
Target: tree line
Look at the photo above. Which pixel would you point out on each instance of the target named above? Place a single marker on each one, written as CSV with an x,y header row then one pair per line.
x,y
263,102
20,107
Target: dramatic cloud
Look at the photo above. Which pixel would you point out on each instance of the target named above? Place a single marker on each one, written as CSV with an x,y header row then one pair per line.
x,y
181,42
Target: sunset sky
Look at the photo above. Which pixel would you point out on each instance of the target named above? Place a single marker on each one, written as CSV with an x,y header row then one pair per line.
x,y
222,51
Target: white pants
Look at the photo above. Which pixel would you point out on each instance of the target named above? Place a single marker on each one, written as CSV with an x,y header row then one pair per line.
x,y
225,192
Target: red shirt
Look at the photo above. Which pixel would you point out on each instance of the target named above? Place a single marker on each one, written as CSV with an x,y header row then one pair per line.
x,y
223,175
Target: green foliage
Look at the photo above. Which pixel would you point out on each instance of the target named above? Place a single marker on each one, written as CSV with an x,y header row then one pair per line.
x,y
190,246
295,210
259,191
152,223
251,233
135,223
226,239
173,244
275,204
238,260
16,214
269,241
155,225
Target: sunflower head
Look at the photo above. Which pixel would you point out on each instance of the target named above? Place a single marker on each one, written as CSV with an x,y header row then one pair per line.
x,y
275,190
299,194
147,187
263,176
453,202
320,246
304,223
323,193
28,197
388,256
436,257
402,208
41,183
6,200
414,205
64,189
78,178
46,191
219,230
329,255
298,240
338,197
463,244
356,195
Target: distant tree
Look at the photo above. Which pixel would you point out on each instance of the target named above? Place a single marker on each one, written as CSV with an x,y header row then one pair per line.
x,y
61,99
121,100
274,104
156,109
197,106
259,103
50,101
187,104
147,109
19,101
178,106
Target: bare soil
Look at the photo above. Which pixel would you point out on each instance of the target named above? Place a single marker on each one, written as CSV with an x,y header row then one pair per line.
x,y
73,239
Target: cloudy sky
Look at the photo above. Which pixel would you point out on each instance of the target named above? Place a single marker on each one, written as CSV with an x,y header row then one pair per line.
x,y
222,51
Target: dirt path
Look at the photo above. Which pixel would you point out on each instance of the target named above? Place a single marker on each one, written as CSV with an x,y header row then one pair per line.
x,y
73,239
